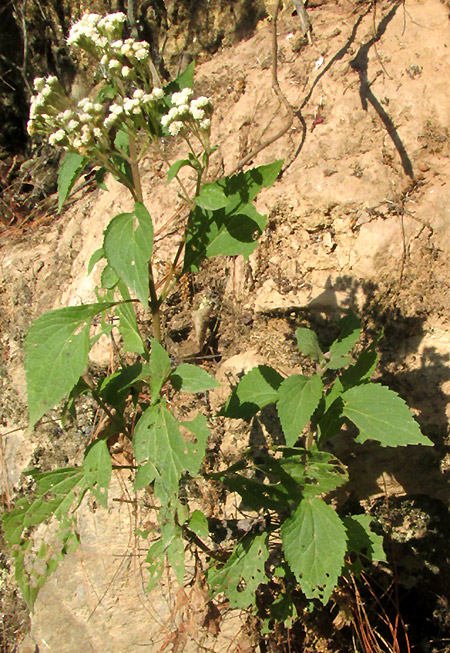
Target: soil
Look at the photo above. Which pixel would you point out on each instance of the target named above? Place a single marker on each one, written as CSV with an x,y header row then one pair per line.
x,y
358,219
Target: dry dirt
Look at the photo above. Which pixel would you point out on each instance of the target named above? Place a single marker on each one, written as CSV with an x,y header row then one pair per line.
x,y
359,218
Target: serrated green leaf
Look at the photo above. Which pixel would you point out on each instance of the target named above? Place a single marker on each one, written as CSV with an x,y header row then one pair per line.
x,y
157,438
192,378
195,451
222,233
363,542
233,229
317,472
212,197
145,475
242,573
381,415
155,560
299,397
56,354
159,369
176,167
108,278
198,524
97,467
350,328
308,344
174,548
95,258
129,330
314,541
258,388
70,170
128,246
362,370
60,483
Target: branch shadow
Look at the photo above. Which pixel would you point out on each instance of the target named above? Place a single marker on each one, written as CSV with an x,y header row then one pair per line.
x,y
360,65
337,57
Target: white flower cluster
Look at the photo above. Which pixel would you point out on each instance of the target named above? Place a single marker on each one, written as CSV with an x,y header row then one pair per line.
x,y
194,113
101,38
133,107
73,126
93,30
84,127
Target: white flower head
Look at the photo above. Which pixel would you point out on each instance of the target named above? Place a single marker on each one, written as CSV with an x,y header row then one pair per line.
x,y
39,84
138,94
114,64
205,124
141,54
126,71
196,113
201,102
183,109
66,115
175,127
157,93
57,137
182,97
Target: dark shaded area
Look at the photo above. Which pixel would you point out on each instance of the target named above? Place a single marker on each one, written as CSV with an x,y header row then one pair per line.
x,y
13,100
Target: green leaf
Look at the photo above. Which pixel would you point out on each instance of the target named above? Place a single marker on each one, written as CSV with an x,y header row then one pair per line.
x,y
314,542
350,332
128,329
157,438
212,197
174,548
242,573
198,524
195,451
128,326
122,141
100,178
176,167
299,398
380,414
70,170
97,470
184,80
308,344
95,258
317,472
109,278
362,370
222,233
192,378
155,560
367,545
114,389
128,246
159,369
234,228
258,388
56,354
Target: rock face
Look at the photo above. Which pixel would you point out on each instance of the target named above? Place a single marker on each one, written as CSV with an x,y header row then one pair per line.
x,y
360,218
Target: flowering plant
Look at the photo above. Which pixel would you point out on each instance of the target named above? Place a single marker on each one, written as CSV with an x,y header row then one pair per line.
x,y
293,541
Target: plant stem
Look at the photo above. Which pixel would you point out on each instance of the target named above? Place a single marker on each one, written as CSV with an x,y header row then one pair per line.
x,y
154,301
